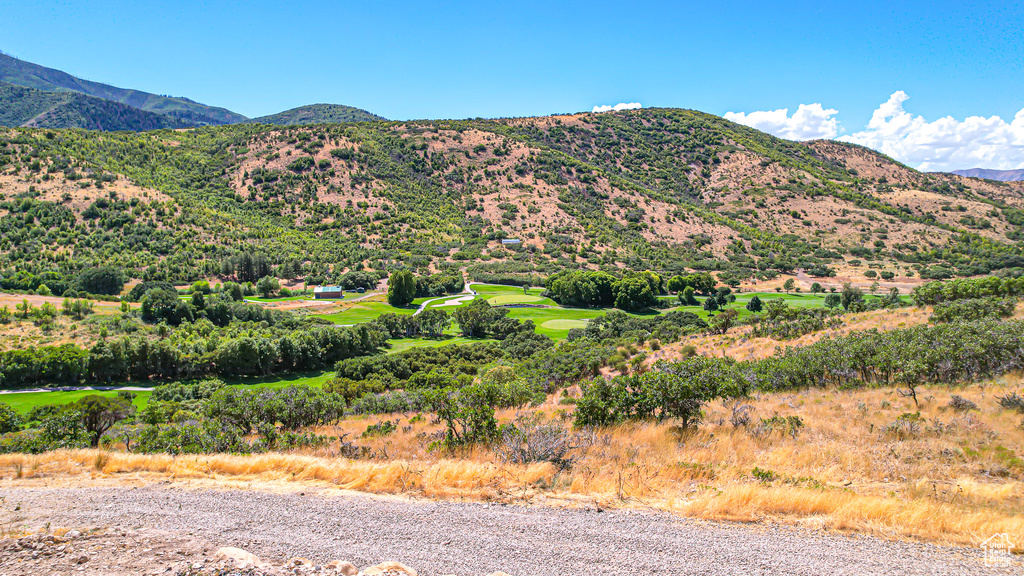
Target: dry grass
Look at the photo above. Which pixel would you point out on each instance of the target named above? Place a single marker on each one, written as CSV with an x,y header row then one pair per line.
x,y
738,344
956,480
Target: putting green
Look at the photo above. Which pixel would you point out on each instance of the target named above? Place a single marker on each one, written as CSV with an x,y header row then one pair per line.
x,y
564,324
512,299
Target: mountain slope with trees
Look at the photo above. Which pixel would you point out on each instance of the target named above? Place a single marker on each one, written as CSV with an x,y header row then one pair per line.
x,y
657,189
29,75
318,114
27,107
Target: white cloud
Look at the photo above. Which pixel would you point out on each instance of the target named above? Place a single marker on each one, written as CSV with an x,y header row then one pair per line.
x,y
809,122
617,107
944,144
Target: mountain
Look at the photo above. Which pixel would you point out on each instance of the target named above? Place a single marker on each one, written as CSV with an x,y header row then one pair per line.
x,y
660,189
21,73
318,114
34,108
1000,175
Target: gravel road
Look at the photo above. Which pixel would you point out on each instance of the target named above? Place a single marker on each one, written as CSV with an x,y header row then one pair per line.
x,y
474,538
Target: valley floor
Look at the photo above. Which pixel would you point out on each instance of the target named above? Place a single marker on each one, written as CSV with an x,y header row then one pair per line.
x,y
443,537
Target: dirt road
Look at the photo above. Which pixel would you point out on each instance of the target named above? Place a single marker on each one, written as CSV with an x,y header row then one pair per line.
x,y
475,538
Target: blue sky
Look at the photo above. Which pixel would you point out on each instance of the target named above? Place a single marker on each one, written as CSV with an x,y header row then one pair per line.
x,y
465,59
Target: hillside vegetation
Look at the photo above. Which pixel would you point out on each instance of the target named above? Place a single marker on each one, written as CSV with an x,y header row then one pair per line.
x,y
29,75
34,108
660,189
318,114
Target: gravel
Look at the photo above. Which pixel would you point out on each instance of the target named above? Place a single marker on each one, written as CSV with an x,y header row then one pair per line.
x,y
476,539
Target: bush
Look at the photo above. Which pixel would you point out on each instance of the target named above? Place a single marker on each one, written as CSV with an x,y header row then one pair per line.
x,y
1012,401
10,420
531,439
103,280
669,391
961,404
970,309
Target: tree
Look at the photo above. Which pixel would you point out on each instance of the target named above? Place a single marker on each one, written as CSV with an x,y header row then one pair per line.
x,y
99,413
832,301
634,293
817,288
686,297
476,318
434,322
103,280
401,288
851,297
268,286
721,323
702,282
755,304
10,421
159,305
710,304
789,285
724,296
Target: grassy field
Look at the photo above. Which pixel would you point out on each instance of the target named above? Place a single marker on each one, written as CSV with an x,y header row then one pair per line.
x,y
25,401
552,320
846,469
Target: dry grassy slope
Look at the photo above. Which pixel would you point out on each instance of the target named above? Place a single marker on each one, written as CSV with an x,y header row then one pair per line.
x,y
498,192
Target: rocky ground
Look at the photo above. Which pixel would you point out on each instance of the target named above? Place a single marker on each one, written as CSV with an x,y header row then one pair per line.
x,y
204,532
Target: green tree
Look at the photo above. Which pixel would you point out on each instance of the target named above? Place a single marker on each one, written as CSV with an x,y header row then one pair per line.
x,y
686,297
833,301
10,421
788,285
103,280
817,288
634,293
99,413
476,318
268,286
159,305
401,288
851,297
711,304
755,304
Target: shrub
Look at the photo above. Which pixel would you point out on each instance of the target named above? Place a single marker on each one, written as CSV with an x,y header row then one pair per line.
x,y
961,404
531,439
1012,401
380,429
10,420
973,309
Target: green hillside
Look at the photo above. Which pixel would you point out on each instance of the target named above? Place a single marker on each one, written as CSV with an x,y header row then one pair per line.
x,y
27,107
318,114
666,190
21,73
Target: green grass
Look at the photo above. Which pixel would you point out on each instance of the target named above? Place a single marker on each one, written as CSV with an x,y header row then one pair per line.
x,y
513,299
25,401
22,402
361,312
564,324
402,344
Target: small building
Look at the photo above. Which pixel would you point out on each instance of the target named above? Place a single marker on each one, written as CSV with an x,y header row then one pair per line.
x,y
507,241
321,292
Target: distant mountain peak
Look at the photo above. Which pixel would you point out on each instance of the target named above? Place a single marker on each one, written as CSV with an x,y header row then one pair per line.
x,y
1000,175
181,110
318,114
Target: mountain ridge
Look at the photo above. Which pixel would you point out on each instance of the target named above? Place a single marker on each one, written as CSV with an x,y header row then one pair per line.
x,y
30,75
989,174
27,107
661,189
318,114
